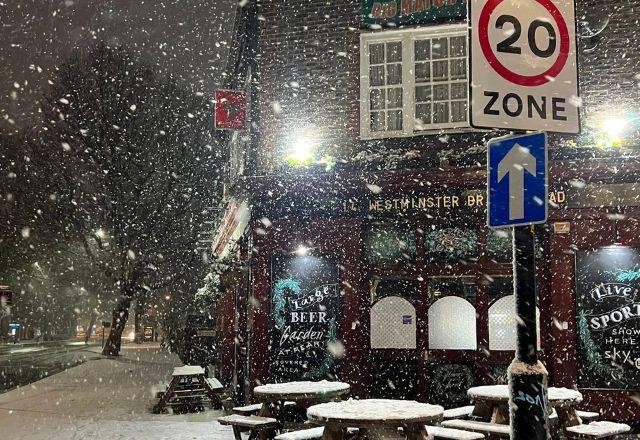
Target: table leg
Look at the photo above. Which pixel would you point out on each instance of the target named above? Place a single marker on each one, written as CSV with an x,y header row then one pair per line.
x,y
168,394
500,414
567,417
416,432
482,410
332,432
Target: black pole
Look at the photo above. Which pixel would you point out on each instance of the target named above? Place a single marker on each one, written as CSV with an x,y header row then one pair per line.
x,y
527,376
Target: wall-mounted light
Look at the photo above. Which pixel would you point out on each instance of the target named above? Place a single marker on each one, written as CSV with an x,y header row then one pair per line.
x,y
300,152
302,250
612,128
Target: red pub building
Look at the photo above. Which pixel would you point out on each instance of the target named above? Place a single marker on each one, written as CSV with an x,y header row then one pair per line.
x,y
354,219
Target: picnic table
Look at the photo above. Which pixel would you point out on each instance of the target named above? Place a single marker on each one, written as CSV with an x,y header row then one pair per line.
x,y
189,385
375,418
273,396
492,404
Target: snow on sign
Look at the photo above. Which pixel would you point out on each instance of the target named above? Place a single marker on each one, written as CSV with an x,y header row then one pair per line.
x,y
523,65
230,110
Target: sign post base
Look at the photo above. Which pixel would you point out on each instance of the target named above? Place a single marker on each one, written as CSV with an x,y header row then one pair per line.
x,y
528,401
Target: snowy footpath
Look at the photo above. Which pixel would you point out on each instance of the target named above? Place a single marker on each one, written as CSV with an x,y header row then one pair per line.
x,y
104,398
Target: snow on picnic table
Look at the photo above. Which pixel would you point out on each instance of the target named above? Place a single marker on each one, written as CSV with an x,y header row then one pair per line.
x,y
105,398
302,387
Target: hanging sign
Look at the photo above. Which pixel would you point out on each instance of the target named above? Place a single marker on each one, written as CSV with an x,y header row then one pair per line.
x,y
396,12
230,110
608,307
523,65
305,306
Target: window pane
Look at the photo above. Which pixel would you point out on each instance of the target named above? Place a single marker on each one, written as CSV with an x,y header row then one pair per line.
x,y
389,245
440,70
376,75
439,48
451,244
377,121
377,99
422,50
423,115
458,91
394,120
394,287
458,111
499,245
441,112
423,72
452,325
458,46
458,69
423,93
376,53
394,97
441,92
463,287
394,52
394,73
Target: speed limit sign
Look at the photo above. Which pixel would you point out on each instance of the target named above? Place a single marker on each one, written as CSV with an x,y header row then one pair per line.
x,y
523,65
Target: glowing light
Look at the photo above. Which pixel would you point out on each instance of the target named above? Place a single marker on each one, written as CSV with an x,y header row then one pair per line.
x,y
301,152
101,234
615,126
302,250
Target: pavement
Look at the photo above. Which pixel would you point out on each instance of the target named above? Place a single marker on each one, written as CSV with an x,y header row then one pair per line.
x,y
105,398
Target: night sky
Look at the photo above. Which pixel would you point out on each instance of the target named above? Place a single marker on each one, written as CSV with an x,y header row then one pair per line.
x,y
187,38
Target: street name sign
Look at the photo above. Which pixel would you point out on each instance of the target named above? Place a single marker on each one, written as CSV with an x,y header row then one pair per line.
x,y
523,65
517,180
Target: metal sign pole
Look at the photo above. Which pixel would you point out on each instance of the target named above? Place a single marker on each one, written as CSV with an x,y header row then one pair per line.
x,y
527,376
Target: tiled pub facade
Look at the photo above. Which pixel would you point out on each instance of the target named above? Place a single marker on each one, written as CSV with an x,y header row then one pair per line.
x,y
387,206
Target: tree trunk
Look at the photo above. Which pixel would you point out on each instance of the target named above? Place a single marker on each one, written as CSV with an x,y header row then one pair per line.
x,y
137,310
87,335
120,316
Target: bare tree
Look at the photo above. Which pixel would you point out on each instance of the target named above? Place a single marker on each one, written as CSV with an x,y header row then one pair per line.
x,y
134,166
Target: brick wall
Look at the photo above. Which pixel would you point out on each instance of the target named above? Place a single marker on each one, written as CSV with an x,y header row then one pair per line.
x,y
308,58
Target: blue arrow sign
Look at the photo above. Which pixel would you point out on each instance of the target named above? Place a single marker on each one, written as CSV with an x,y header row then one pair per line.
x,y
517,180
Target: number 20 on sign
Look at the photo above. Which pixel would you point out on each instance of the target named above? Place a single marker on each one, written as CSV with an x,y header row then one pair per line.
x,y
523,65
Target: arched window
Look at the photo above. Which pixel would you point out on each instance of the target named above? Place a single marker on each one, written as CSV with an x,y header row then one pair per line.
x,y
393,323
452,324
502,324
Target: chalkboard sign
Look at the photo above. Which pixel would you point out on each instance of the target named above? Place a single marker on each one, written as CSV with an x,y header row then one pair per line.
x,y
608,307
305,306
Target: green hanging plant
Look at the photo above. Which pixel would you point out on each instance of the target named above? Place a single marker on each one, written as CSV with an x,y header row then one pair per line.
x,y
279,301
590,348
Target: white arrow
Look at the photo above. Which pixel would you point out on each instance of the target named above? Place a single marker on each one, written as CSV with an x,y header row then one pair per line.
x,y
514,163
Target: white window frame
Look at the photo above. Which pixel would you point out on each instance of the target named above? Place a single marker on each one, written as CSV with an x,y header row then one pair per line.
x,y
407,37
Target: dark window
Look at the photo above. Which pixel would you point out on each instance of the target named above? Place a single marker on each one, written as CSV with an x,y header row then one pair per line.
x,y
451,244
388,245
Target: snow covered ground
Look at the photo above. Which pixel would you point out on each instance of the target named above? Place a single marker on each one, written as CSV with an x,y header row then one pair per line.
x,y
104,398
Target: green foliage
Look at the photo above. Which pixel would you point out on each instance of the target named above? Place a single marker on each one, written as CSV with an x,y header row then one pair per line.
x,y
589,347
279,300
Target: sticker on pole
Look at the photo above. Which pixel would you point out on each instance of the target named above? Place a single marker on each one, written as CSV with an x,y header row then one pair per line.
x,y
517,180
523,65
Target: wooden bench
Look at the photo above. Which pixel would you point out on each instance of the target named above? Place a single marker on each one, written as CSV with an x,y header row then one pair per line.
x,y
305,434
597,430
215,384
247,410
311,434
440,433
462,412
588,416
261,427
490,430
254,409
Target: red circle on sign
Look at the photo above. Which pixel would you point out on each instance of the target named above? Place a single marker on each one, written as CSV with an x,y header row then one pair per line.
x,y
516,78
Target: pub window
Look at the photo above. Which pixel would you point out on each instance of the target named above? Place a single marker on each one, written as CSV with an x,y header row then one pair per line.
x,y
452,316
502,317
390,245
499,245
413,81
451,244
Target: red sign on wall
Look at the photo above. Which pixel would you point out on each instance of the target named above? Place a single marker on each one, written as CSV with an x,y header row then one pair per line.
x,y
230,110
